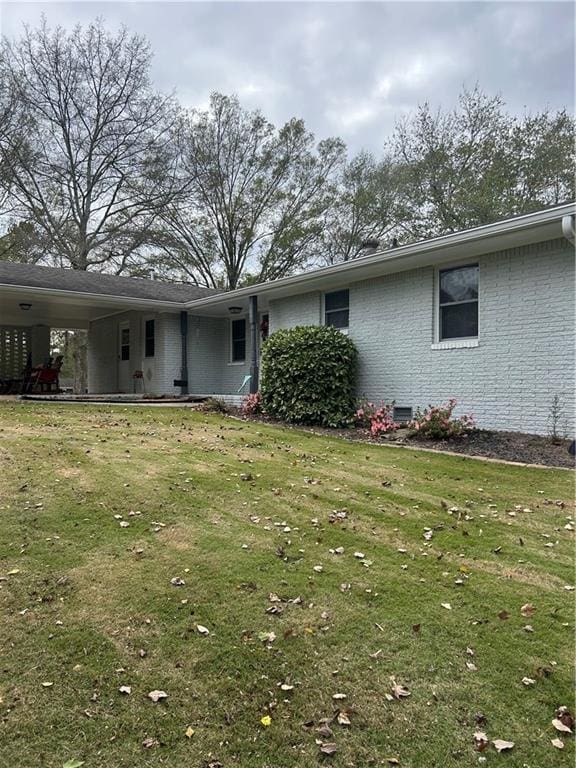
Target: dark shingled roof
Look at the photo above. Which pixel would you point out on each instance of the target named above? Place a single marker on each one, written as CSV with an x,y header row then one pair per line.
x,y
34,276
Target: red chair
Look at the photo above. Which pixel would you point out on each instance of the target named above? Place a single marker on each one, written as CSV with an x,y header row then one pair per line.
x,y
45,377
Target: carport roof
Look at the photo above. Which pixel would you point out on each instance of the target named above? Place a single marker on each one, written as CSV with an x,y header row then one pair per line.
x,y
34,276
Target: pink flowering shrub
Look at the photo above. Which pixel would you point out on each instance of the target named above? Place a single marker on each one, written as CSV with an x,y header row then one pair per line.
x,y
378,419
252,404
437,423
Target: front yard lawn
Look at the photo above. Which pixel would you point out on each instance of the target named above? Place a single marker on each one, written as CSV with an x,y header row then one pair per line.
x,y
331,578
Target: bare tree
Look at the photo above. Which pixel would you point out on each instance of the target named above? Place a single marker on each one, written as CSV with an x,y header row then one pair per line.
x,y
91,162
255,196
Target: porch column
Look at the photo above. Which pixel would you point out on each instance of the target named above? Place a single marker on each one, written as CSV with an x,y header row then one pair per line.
x,y
184,362
253,315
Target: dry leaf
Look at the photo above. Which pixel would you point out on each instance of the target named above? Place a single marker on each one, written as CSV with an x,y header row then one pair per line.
x,y
500,745
266,720
339,696
177,582
343,718
202,630
447,606
481,741
149,742
559,725
328,748
189,732
47,684
527,610
565,716
558,743
157,695
399,691
503,615
528,681
125,689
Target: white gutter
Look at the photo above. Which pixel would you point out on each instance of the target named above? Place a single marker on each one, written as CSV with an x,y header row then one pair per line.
x,y
509,226
568,229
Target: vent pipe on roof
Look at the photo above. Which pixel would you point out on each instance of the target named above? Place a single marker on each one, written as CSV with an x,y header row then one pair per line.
x,y
568,229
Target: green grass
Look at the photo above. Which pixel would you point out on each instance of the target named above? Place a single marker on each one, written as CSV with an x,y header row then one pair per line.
x,y
88,595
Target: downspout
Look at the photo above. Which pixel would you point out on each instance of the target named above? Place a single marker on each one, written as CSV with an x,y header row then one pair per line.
x,y
184,348
253,316
568,229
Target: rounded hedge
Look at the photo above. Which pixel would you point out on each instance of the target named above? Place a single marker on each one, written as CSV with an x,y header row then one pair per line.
x,y
308,376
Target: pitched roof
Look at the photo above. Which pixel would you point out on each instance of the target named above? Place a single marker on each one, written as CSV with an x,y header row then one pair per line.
x,y
34,276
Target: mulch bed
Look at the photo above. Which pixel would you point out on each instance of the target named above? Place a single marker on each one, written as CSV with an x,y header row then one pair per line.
x,y
506,446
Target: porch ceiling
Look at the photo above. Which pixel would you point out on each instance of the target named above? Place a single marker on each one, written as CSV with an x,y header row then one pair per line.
x,y
62,309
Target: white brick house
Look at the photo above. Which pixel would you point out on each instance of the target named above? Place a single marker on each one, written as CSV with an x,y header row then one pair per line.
x,y
485,316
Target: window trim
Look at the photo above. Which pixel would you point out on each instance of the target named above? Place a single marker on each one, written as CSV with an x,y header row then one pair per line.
x,y
344,329
231,360
144,338
453,342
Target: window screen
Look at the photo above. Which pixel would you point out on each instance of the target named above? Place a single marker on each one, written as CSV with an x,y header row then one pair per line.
x,y
459,303
336,308
238,340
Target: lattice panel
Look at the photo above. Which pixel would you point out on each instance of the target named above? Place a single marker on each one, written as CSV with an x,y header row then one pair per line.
x,y
14,348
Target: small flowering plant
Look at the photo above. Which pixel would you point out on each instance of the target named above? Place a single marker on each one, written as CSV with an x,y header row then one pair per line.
x,y
437,422
379,419
252,404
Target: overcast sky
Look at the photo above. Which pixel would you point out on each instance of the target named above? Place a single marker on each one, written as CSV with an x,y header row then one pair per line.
x,y
348,68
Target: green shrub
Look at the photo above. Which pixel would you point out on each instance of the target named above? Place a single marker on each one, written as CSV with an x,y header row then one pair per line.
x,y
308,376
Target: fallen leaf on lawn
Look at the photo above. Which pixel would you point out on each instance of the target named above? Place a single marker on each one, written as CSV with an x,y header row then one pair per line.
x,y
177,581
189,732
266,720
149,742
472,667
202,630
124,524
343,718
480,740
527,610
503,615
399,691
528,681
125,689
388,697
157,695
500,745
416,628
339,696
447,606
392,760
73,764
286,687
266,637
559,725
359,555
47,684
318,568
565,716
328,748
558,743
325,731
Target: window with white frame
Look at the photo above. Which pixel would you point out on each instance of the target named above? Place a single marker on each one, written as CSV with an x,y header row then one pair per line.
x,y
238,336
337,309
458,303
